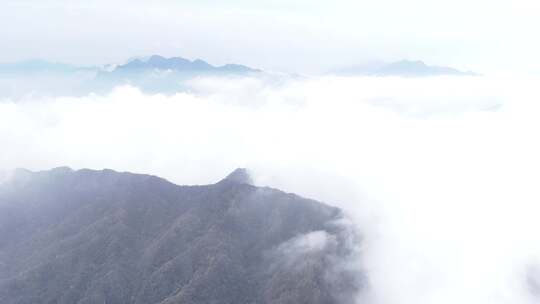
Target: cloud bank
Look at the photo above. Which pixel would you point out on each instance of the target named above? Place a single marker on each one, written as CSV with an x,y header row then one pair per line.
x,y
439,174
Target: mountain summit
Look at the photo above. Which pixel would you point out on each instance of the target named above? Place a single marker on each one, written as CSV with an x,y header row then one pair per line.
x,y
240,176
89,236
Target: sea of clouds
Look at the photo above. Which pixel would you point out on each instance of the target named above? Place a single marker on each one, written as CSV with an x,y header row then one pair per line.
x,y
439,174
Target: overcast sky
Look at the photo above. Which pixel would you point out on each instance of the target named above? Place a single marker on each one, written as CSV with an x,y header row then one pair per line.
x,y
300,35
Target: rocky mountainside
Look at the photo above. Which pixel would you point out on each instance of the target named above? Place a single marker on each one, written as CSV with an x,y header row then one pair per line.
x,y
107,237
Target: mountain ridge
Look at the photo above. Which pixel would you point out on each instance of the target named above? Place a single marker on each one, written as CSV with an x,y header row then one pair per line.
x,y
178,64
86,236
404,68
181,65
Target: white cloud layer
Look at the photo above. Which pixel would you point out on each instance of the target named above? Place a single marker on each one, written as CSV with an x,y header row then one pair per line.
x,y
440,174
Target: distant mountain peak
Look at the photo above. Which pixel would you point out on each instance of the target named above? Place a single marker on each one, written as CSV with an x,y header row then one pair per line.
x,y
407,62
36,65
239,176
181,64
404,68
61,170
156,57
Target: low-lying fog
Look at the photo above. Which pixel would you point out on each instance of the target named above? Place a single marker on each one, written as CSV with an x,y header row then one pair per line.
x,y
440,174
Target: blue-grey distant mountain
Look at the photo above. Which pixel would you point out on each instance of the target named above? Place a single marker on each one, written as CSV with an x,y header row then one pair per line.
x,y
157,74
154,74
404,68
40,78
85,237
152,63
36,66
180,64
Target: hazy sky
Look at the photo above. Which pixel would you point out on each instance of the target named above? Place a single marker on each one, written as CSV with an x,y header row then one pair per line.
x,y
301,35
